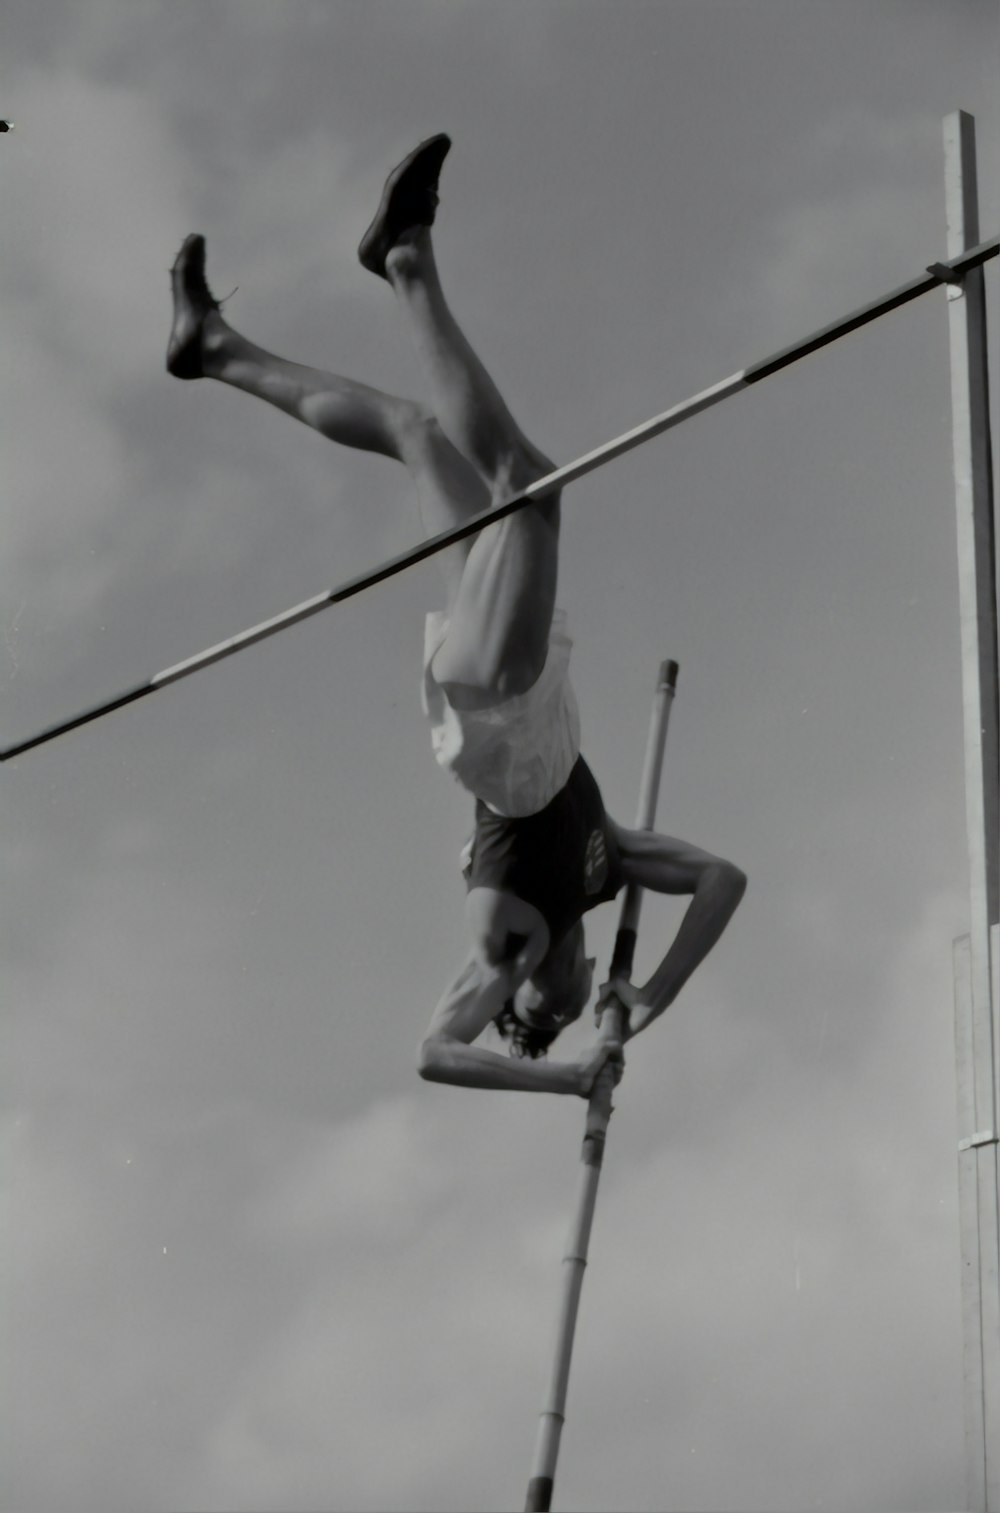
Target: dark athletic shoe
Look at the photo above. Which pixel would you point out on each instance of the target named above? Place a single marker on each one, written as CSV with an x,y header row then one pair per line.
x,y
408,199
192,302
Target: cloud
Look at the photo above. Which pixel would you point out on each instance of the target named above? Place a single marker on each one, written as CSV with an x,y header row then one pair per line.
x,y
719,1271
275,1310
372,1181
859,226
817,271
82,323
63,501
97,189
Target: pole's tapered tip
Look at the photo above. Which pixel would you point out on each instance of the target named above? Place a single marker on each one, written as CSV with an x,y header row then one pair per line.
x,y
668,675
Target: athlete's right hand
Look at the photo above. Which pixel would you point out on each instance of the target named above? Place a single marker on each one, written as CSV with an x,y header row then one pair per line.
x,y
591,1063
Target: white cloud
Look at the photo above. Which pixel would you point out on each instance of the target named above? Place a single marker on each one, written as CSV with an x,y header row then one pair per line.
x,y
97,190
718,1271
64,468
826,255
373,1180
93,201
292,239
863,225
369,1303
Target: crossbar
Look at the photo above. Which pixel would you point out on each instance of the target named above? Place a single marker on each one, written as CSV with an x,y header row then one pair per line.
x,y
938,273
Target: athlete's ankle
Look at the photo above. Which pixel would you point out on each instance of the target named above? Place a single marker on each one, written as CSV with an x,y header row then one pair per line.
x,y
410,256
217,342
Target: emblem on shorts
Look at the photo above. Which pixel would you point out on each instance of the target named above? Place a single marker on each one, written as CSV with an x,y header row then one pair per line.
x,y
595,863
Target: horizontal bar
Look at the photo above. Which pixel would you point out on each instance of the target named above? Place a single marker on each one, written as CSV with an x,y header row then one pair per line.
x,y
236,643
75,721
588,463
932,279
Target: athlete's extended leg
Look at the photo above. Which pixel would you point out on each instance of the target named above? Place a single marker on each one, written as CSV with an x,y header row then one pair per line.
x,y
499,633
204,344
498,637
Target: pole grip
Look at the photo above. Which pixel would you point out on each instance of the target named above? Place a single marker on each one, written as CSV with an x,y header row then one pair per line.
x,y
600,1107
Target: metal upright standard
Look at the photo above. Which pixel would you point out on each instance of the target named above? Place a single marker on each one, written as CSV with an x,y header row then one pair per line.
x,y
613,1024
977,1031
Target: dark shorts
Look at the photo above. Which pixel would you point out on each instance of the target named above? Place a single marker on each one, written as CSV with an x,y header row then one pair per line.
x,y
564,859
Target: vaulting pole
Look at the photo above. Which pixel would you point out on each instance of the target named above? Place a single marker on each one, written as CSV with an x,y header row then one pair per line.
x,y
613,1025
936,274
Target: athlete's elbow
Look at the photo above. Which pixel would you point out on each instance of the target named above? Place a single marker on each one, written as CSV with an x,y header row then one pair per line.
x,y
430,1059
736,882
427,1060
727,880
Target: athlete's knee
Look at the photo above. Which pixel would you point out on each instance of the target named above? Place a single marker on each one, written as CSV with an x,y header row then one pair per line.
x,y
489,929
510,937
498,949
464,665
511,676
733,879
416,425
518,465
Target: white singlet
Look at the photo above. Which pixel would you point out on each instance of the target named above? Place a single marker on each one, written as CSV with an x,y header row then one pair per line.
x,y
517,755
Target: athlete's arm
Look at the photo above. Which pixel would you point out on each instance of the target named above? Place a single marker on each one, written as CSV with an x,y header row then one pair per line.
x,y
665,865
472,1002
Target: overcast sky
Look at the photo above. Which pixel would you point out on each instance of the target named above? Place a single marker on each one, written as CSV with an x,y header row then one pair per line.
x,y
255,1263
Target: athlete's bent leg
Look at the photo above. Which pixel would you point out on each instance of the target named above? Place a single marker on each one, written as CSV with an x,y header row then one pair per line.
x,y
203,344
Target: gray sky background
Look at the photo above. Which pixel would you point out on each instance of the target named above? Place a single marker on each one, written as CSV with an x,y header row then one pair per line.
x,y
254,1262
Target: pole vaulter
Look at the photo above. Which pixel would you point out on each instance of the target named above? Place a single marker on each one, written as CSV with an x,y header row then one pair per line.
x,y
613,1028
949,271
497,692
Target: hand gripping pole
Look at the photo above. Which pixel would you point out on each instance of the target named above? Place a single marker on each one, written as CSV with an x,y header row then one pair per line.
x,y
613,1025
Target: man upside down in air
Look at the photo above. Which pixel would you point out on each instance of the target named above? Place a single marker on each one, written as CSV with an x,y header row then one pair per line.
x,y
503,715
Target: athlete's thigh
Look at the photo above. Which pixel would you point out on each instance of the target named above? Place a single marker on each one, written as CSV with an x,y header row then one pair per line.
x,y
501,614
506,930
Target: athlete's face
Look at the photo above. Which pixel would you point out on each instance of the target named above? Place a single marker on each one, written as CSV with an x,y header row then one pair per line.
x,y
558,992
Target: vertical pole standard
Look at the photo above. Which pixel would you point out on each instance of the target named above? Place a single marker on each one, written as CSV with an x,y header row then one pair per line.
x,y
613,1022
976,1008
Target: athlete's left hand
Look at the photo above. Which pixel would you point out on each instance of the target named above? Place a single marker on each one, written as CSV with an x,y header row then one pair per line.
x,y
616,992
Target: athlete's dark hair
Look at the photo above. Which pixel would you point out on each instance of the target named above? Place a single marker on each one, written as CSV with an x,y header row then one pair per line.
x,y
524,1040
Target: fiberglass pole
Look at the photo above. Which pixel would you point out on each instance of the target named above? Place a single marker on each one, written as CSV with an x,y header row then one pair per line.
x,y
613,1022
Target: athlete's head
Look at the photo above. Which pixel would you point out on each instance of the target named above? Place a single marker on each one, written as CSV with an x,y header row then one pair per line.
x,y
553,997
